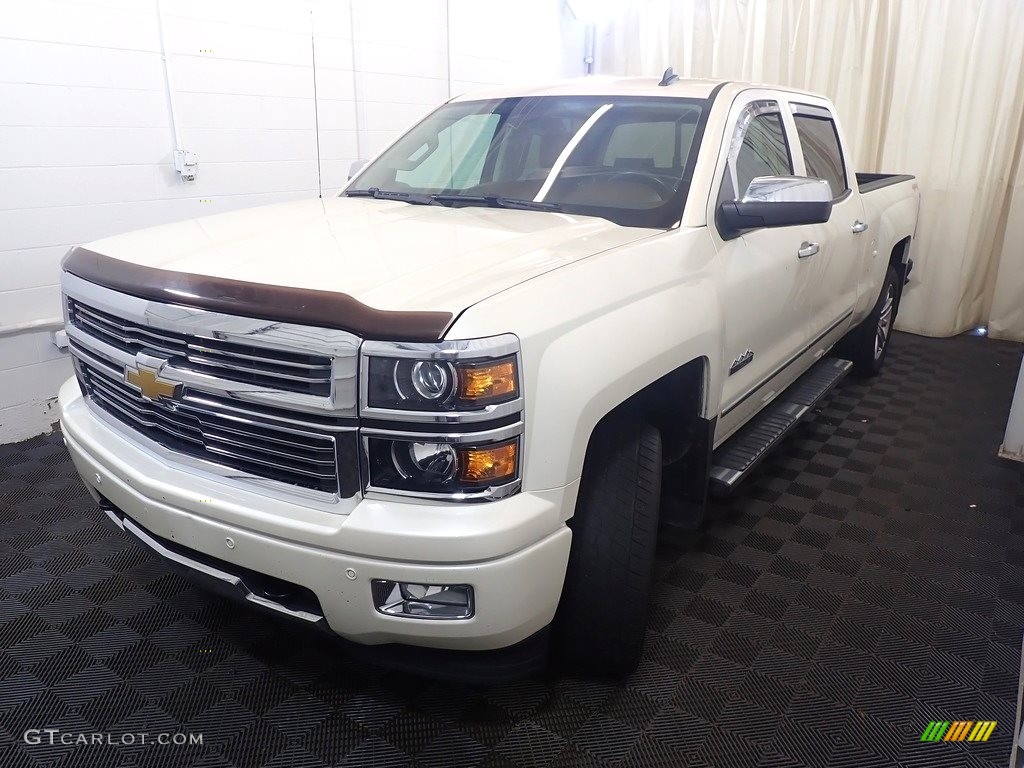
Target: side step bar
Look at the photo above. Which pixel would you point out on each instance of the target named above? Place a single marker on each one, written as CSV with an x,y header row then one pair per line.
x,y
738,456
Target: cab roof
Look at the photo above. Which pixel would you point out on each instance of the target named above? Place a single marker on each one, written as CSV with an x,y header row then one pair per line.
x,y
600,86
622,86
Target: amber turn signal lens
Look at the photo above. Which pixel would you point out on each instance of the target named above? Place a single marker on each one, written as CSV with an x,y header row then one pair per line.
x,y
488,382
483,465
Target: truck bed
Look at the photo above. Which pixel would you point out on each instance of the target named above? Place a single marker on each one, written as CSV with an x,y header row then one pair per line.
x,y
868,182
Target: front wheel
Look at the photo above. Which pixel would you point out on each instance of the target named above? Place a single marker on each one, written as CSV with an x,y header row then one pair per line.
x,y
868,343
602,618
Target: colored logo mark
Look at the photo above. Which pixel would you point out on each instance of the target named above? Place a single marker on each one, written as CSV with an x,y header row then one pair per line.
x,y
959,730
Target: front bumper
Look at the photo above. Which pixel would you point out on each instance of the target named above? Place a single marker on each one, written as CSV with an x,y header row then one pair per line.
x,y
513,551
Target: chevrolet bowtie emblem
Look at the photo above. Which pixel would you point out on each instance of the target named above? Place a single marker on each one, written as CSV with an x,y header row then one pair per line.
x,y
150,384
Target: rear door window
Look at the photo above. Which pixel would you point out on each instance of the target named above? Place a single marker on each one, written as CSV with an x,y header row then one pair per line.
x,y
819,142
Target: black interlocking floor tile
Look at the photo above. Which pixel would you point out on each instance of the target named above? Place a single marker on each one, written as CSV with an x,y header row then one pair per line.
x,y
867,579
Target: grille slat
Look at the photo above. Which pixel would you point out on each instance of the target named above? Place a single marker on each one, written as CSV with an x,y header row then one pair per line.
x,y
203,427
293,442
124,332
204,363
324,461
138,420
265,367
326,367
150,417
118,339
245,456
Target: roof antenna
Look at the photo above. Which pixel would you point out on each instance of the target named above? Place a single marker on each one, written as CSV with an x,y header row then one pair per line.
x,y
669,77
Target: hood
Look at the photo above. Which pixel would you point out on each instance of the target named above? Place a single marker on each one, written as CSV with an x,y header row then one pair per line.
x,y
385,255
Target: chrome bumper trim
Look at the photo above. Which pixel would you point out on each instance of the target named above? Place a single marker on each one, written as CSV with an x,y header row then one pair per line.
x,y
229,579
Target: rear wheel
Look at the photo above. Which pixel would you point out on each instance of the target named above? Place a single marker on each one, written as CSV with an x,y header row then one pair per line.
x,y
868,343
602,618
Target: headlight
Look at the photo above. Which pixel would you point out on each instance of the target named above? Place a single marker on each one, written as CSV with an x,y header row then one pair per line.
x,y
461,471
440,385
442,420
427,463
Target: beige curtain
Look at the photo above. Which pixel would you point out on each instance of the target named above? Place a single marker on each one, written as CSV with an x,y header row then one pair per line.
x,y
929,87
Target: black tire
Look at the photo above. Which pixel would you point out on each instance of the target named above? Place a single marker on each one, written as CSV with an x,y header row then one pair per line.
x,y
868,343
602,618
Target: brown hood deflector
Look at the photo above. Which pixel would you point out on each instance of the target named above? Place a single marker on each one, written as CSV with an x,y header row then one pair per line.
x,y
322,309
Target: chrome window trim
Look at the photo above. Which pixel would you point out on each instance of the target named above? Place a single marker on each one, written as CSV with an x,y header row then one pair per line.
x,y
341,346
492,347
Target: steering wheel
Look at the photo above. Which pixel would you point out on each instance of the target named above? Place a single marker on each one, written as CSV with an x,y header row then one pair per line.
x,y
664,190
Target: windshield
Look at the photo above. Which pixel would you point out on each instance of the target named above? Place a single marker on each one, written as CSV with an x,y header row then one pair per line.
x,y
627,159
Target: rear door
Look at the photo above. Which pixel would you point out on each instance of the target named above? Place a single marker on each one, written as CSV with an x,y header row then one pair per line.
x,y
838,263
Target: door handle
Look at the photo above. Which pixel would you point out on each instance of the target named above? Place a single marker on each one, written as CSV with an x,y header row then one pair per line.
x,y
858,227
807,250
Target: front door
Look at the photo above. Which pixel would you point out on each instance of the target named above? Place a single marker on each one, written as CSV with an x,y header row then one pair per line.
x,y
768,291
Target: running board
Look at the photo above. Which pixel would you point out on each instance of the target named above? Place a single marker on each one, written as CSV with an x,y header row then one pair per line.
x,y
738,455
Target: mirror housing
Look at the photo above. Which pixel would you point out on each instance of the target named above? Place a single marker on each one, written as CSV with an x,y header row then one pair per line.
x,y
776,201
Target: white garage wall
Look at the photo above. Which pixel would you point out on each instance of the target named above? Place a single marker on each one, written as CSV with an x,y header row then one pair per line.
x,y
276,97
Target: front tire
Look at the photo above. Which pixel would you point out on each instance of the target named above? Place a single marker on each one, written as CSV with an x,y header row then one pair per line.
x,y
868,343
602,618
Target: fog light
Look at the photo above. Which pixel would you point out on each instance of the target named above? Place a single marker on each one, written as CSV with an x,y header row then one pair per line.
x,y
423,601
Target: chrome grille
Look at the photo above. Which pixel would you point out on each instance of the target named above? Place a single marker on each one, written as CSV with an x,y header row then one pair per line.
x,y
255,441
262,366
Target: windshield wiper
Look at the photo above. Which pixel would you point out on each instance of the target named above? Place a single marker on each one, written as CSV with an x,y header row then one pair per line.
x,y
497,202
414,198
420,198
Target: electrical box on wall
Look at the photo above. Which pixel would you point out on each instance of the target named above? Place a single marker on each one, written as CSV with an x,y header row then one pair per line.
x,y
186,164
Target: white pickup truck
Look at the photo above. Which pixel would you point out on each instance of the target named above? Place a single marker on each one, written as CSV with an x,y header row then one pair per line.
x,y
443,414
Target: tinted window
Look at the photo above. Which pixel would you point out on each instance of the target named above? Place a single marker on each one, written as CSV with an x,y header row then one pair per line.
x,y
628,159
455,159
655,144
820,144
764,151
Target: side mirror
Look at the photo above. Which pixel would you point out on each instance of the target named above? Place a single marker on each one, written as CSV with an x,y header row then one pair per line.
x,y
356,167
776,201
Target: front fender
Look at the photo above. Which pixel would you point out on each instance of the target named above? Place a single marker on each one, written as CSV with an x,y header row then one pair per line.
x,y
596,332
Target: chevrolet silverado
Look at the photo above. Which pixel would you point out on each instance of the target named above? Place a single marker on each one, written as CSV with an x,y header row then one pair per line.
x,y
444,413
